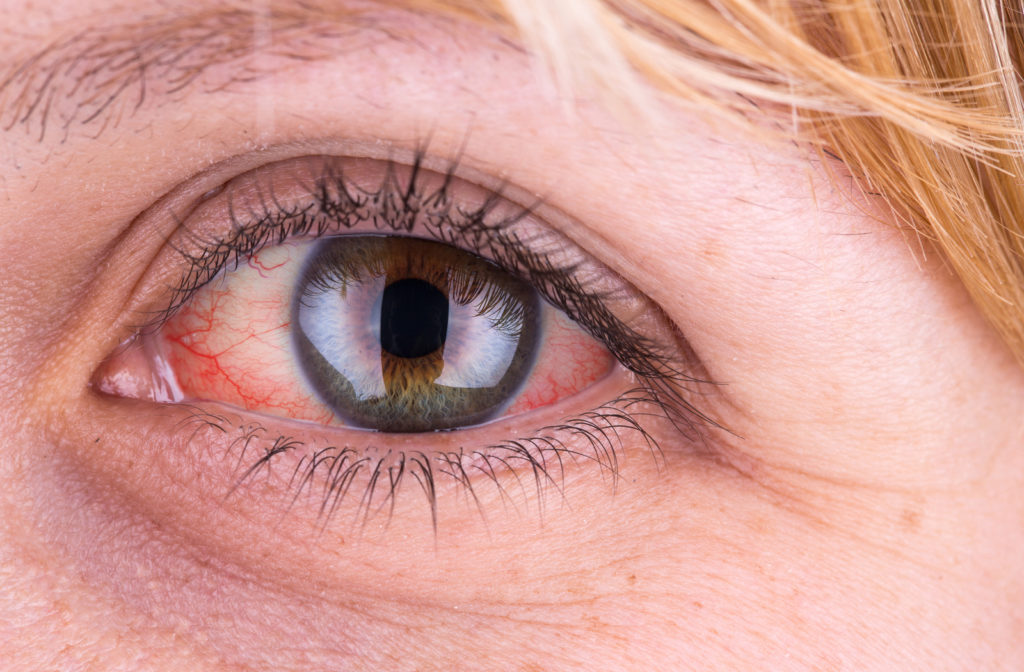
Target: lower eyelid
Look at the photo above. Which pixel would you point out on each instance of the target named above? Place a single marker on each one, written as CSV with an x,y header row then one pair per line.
x,y
353,474
252,493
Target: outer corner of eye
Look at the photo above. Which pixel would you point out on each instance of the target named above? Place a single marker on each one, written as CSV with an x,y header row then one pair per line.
x,y
388,333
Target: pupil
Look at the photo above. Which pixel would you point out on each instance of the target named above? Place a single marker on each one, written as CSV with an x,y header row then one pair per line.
x,y
413,318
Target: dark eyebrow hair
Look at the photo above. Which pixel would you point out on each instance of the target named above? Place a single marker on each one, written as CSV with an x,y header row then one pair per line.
x,y
94,78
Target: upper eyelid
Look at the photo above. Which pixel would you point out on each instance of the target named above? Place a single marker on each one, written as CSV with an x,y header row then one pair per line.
x,y
244,219
159,226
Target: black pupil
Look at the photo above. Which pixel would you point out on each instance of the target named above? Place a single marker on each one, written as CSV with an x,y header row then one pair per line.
x,y
413,318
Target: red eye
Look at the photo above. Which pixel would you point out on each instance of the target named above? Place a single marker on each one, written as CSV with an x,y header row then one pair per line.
x,y
380,332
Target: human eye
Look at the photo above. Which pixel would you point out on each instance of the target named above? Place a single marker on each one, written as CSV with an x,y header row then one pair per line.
x,y
357,294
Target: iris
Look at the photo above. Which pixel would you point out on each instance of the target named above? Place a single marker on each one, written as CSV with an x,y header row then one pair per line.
x,y
408,335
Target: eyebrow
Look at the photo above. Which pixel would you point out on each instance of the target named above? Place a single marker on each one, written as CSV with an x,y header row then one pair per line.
x,y
93,79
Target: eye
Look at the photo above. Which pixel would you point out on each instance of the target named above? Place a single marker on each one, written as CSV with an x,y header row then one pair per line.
x,y
390,333
356,294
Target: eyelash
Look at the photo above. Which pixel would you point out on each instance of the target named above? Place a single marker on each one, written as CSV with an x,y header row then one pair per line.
x,y
541,455
339,205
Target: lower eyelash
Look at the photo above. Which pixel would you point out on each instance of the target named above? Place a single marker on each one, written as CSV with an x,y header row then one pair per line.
x,y
536,465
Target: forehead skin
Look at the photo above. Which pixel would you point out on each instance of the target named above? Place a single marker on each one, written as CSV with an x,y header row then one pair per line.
x,y
859,513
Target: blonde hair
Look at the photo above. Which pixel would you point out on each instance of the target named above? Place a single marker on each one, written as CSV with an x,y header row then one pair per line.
x,y
918,98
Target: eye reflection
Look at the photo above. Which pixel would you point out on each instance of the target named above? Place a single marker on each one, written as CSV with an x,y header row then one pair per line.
x,y
407,335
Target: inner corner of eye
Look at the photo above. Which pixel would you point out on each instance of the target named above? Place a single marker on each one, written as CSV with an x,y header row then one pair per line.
x,y
388,333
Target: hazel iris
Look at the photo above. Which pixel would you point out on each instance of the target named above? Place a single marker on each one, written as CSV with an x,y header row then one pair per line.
x,y
409,335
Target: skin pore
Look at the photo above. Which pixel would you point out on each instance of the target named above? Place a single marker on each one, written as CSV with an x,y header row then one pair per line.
x,y
857,509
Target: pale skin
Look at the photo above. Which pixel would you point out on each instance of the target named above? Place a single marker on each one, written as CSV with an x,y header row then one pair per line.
x,y
862,512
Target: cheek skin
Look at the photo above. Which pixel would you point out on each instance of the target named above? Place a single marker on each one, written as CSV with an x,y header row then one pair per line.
x,y
232,343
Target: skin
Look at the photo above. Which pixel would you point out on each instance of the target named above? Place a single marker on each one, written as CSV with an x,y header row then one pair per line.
x,y
862,511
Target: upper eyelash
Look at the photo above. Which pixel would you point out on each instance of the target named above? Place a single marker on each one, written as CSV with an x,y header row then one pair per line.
x,y
400,207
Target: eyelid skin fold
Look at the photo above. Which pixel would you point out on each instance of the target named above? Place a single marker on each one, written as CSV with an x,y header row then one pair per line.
x,y
316,196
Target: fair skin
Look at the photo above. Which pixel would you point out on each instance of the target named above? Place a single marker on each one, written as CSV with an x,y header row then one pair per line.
x,y
861,511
